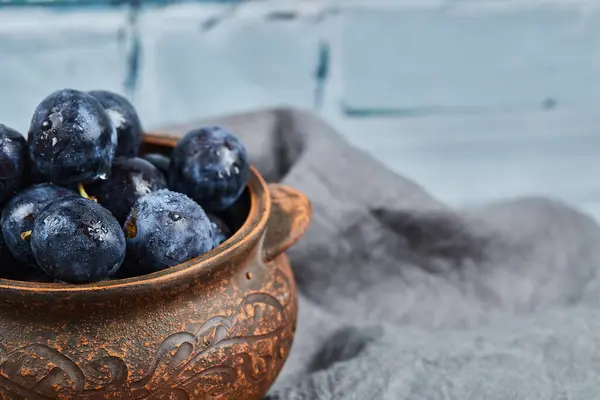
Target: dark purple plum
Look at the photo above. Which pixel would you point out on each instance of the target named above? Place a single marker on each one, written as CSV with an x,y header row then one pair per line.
x,y
125,120
7,261
71,139
164,229
211,166
76,240
14,270
159,161
33,177
5,254
130,179
20,213
221,231
13,158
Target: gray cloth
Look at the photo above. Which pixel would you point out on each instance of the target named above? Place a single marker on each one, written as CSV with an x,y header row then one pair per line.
x,y
402,297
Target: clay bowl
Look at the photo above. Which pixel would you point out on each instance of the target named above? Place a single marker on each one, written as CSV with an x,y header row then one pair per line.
x,y
217,327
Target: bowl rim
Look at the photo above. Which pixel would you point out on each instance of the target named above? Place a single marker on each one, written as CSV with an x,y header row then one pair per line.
x,y
242,240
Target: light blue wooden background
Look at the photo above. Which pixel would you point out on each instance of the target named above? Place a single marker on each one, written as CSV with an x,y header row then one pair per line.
x,y
476,101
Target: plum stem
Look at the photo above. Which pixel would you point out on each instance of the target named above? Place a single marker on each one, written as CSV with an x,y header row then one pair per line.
x,y
130,228
26,235
84,194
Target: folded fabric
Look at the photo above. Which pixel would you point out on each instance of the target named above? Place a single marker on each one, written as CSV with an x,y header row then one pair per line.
x,y
402,297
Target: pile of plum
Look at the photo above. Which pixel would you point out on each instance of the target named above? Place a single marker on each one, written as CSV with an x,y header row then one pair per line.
x,y
79,205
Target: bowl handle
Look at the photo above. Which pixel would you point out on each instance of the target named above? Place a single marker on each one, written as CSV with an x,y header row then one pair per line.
x,y
290,216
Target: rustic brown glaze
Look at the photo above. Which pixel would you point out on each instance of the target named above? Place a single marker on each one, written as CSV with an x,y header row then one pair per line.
x,y
217,327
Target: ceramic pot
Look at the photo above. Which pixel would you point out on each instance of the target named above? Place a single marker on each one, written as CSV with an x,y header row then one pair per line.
x,y
217,327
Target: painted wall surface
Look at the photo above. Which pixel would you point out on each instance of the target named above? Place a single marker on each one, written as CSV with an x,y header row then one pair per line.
x,y
475,100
